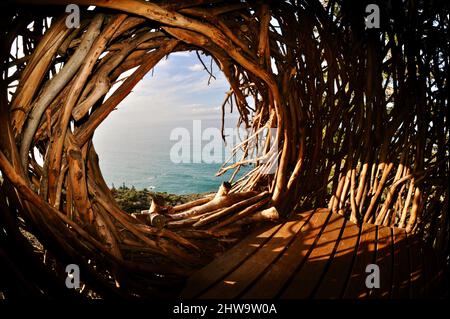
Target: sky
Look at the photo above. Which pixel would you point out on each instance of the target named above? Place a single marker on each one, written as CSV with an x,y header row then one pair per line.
x,y
173,94
134,142
177,88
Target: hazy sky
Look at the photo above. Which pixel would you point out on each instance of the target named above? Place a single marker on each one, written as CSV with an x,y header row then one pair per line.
x,y
134,142
176,89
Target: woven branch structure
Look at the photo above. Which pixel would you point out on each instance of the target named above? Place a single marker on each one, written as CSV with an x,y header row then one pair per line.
x,y
359,116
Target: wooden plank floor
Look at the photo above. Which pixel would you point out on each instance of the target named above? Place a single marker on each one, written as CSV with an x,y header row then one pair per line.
x,y
317,254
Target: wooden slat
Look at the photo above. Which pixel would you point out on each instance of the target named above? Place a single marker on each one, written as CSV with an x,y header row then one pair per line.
x,y
401,268
222,265
319,254
384,260
356,287
241,278
279,272
335,279
304,282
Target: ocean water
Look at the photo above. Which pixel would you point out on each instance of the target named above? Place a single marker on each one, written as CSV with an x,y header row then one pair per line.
x,y
139,155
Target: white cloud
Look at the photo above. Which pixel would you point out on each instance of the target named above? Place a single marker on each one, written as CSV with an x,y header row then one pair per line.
x,y
163,63
182,54
204,110
177,89
196,67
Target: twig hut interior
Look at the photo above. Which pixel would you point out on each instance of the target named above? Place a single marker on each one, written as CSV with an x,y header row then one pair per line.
x,y
359,117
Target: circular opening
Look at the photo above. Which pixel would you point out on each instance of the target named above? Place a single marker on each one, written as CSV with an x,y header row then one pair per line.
x,y
166,136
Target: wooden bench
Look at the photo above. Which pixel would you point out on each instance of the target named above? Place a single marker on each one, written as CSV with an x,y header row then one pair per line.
x,y
319,254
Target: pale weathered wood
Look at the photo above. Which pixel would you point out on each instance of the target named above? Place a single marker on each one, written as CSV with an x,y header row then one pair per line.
x,y
316,255
330,122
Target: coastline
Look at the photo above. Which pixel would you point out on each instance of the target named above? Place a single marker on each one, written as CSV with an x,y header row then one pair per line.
x,y
133,200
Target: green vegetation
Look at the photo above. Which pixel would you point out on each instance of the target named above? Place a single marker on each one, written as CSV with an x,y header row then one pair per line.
x,y
132,200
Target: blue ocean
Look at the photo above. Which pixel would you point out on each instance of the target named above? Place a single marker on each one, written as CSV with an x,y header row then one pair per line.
x,y
139,155
134,143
